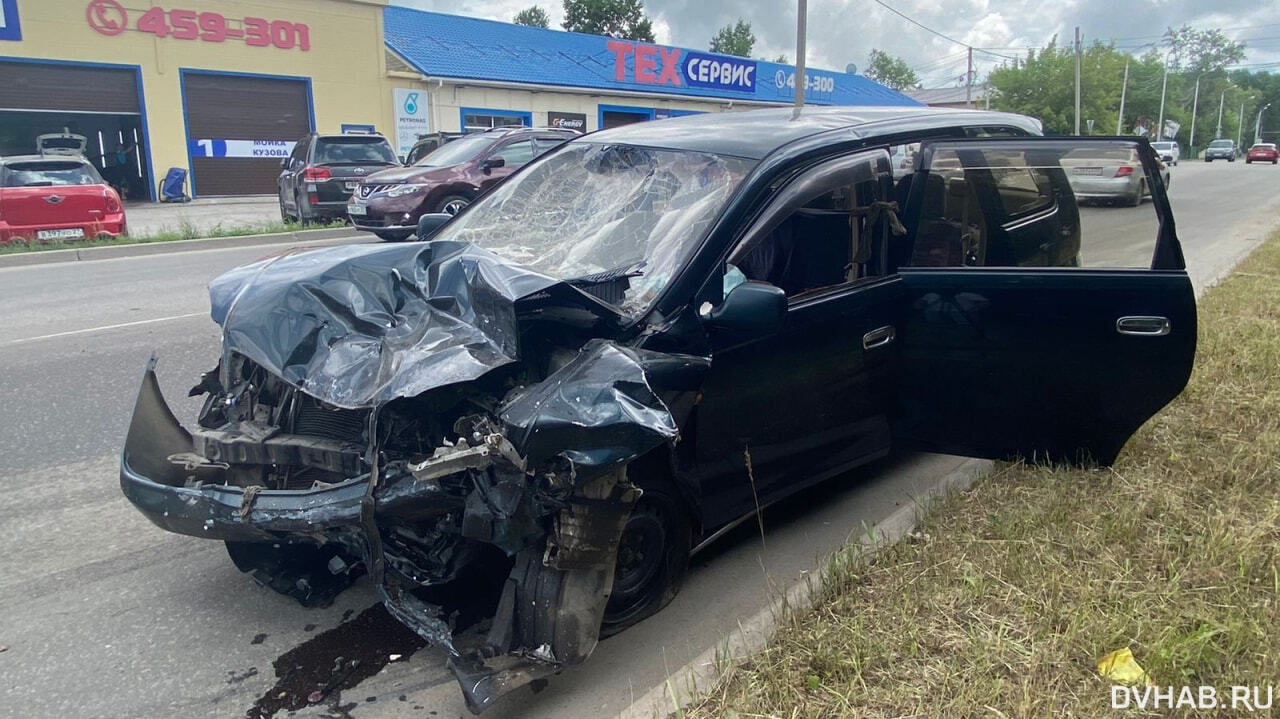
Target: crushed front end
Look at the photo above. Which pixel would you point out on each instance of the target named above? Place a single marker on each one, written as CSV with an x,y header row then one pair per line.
x,y
417,418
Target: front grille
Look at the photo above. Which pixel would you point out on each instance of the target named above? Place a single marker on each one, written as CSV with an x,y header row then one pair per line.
x,y
365,191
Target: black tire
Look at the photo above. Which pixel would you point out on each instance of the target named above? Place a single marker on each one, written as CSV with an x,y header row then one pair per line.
x,y
652,558
1247,161
1136,199
393,236
285,217
1208,159
453,204
303,218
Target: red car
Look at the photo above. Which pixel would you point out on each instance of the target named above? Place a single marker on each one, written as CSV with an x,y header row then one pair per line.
x,y
47,198
1263,152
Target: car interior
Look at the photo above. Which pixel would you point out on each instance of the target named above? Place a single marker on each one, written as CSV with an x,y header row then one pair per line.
x,y
827,232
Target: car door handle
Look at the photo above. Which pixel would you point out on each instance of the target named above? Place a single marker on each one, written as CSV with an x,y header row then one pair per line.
x,y
878,337
1143,325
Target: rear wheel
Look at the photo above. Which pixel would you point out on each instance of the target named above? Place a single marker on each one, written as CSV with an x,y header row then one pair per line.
x,y
652,557
1136,199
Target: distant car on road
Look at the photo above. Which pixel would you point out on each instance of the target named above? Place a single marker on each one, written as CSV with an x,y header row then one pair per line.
x,y
1262,152
318,177
1167,150
1220,150
1109,174
390,203
45,198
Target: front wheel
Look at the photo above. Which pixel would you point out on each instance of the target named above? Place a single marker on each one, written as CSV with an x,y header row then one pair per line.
x,y
653,554
453,204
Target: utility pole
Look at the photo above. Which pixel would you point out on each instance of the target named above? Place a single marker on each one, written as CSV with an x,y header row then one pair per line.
x,y
968,82
1240,129
1124,87
1257,125
1164,84
1077,79
1217,134
801,13
1195,104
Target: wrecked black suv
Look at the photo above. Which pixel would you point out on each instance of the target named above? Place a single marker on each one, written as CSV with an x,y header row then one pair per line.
x,y
643,337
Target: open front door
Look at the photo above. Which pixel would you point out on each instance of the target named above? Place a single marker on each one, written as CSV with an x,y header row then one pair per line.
x,y
1047,310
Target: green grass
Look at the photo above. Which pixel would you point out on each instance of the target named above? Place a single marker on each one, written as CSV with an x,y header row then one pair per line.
x,y
1005,598
184,231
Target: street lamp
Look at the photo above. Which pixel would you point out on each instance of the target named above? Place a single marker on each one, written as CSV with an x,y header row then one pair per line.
x,y
1257,125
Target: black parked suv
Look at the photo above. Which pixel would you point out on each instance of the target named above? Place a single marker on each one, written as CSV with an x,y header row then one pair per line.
x,y
318,177
643,337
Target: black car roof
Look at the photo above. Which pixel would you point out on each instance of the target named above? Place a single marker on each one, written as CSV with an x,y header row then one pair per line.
x,y
757,133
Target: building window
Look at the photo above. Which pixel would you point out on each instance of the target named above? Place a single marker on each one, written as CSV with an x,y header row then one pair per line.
x,y
478,119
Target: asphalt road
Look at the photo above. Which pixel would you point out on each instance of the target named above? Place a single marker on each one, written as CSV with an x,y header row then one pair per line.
x,y
105,615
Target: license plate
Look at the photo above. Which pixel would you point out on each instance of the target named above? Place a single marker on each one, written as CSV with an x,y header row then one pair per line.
x,y
352,185
1088,171
357,208
73,234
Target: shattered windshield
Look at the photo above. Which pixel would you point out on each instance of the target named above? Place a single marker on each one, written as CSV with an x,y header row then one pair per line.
x,y
594,213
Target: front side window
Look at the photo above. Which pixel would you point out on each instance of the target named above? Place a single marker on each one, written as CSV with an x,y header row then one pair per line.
x,y
456,152
604,216
515,154
824,229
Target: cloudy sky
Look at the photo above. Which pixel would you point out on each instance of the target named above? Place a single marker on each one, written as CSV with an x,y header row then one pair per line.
x,y
845,31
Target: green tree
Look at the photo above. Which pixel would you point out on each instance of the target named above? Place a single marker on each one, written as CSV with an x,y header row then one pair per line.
x,y
533,16
1201,51
890,70
615,18
734,39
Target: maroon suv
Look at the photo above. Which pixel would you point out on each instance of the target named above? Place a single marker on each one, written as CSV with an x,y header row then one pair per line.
x,y
389,203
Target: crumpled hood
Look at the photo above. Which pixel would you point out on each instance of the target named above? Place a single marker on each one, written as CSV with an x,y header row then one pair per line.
x,y
360,325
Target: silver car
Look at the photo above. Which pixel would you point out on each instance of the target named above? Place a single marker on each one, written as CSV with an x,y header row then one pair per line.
x,y
1220,150
1109,175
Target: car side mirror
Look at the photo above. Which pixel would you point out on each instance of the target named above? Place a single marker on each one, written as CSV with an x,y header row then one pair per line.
x,y
492,162
284,164
430,223
752,308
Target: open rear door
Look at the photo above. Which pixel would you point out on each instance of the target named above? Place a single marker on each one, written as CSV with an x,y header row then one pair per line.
x,y
1047,311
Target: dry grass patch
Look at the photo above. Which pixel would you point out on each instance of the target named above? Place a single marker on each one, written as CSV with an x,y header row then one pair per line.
x,y
1005,598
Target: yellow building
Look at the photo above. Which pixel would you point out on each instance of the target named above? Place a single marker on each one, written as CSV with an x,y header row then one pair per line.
x,y
173,82
224,88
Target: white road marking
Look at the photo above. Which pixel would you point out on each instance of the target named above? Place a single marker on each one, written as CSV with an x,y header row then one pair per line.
x,y
55,335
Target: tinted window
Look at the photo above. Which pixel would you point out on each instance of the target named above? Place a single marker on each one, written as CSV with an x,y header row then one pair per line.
x,y
353,151
457,151
1029,205
1221,143
50,173
516,153
826,228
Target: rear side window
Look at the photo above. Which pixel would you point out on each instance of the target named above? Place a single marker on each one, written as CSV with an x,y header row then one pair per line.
x,y
1046,203
353,151
50,173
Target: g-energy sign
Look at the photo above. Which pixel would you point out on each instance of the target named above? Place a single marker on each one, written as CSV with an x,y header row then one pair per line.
x,y
657,65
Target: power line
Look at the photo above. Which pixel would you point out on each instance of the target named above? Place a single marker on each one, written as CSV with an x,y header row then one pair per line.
x,y
922,26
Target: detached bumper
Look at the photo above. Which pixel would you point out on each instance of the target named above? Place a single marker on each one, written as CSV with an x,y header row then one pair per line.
x,y
162,476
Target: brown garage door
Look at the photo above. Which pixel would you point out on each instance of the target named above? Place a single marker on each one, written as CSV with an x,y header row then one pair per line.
x,y
235,108
34,86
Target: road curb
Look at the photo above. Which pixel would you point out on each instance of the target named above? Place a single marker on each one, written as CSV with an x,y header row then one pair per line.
x,y
47,257
682,684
